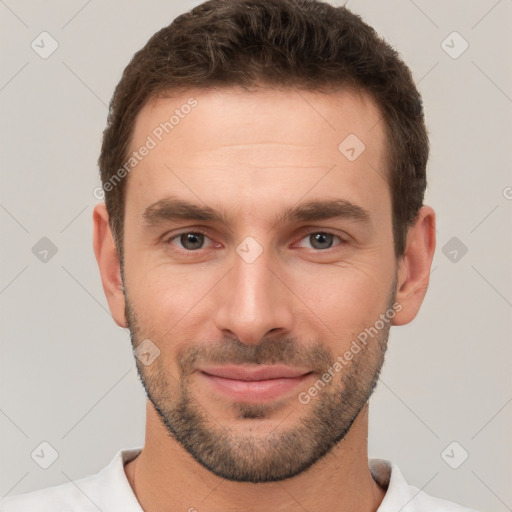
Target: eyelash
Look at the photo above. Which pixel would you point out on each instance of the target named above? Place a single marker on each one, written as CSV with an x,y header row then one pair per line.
x,y
308,234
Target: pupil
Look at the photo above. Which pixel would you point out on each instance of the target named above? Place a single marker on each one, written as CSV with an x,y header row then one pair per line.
x,y
322,239
191,240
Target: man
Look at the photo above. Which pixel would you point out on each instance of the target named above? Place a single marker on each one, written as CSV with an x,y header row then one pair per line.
x,y
264,168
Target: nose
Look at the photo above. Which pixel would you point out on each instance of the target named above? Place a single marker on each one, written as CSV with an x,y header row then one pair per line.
x,y
253,301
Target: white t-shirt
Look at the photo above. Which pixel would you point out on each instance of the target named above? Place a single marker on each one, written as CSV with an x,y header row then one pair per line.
x,y
110,491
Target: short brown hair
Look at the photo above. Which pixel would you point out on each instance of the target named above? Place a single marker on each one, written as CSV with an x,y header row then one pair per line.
x,y
304,44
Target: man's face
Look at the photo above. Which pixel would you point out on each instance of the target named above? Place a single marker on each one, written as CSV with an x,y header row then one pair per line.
x,y
230,296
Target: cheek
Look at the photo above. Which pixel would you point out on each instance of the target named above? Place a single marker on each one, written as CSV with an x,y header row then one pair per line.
x,y
165,297
346,299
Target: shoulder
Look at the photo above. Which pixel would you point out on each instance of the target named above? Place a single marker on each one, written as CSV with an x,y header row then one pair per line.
x,y
402,496
101,491
71,496
426,502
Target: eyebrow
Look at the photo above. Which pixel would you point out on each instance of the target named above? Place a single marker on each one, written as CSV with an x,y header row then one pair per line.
x,y
171,209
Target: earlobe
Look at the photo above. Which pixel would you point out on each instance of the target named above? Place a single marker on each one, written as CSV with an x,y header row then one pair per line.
x,y
107,257
414,267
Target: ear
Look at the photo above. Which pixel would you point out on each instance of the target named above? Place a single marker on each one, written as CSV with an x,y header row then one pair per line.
x,y
109,265
414,266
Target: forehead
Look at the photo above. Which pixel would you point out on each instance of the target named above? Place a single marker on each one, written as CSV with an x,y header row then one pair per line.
x,y
234,116
222,143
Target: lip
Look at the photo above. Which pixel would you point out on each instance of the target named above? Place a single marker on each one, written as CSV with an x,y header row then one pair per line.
x,y
253,373
254,383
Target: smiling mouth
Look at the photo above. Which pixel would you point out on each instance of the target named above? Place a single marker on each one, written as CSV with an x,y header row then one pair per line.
x,y
254,383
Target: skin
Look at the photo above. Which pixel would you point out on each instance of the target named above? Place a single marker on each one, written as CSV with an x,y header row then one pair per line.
x,y
251,156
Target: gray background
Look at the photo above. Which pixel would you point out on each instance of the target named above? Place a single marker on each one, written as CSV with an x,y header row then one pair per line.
x,y
67,374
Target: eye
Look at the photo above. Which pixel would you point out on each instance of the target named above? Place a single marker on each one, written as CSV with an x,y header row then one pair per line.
x,y
194,240
321,240
190,240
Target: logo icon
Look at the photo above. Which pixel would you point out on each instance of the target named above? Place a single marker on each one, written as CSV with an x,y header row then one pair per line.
x,y
454,455
351,147
44,455
454,249
454,45
146,352
44,250
44,45
249,250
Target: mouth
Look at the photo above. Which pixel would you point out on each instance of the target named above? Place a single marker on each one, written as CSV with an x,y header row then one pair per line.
x,y
253,383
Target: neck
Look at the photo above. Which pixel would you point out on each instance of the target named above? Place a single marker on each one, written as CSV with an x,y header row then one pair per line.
x,y
165,477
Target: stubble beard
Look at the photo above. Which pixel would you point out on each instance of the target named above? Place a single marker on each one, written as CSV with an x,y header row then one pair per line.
x,y
285,451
